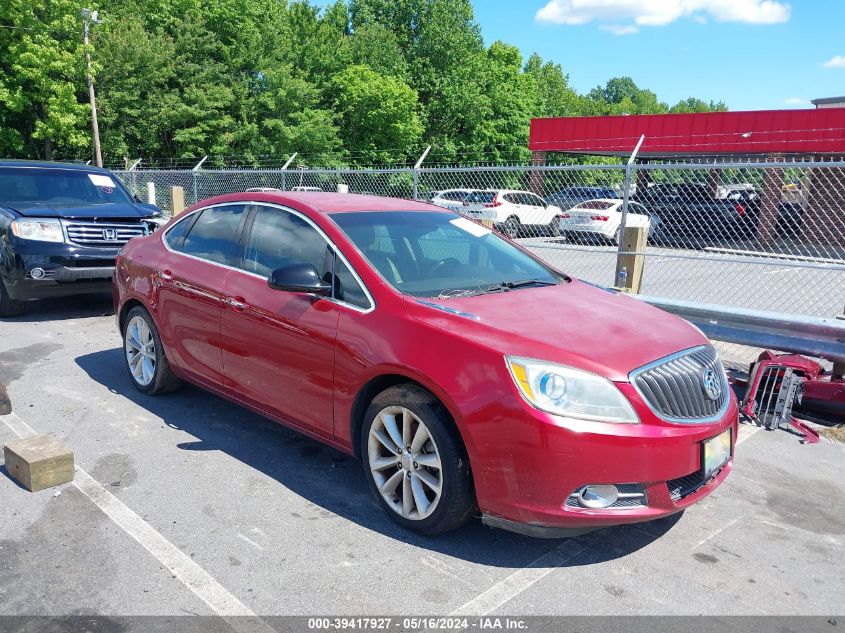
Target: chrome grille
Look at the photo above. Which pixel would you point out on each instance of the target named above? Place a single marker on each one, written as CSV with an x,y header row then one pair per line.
x,y
674,387
103,233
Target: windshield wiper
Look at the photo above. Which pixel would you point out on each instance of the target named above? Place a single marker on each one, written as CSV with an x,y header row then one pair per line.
x,y
527,282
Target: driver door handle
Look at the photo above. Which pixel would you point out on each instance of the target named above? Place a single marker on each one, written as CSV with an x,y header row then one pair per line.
x,y
238,304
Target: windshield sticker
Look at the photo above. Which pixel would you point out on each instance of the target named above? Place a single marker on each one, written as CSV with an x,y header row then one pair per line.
x,y
470,227
102,181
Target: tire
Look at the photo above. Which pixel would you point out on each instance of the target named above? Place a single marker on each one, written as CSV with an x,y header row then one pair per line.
x,y
8,306
404,478
142,342
511,227
554,229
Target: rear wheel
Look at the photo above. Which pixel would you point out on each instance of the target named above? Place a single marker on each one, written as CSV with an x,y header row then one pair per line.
x,y
8,306
554,228
415,461
144,354
511,227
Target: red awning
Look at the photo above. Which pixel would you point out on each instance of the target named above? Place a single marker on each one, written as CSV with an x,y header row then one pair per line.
x,y
802,132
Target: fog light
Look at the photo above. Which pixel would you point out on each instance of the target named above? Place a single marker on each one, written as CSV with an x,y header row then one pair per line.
x,y
598,496
37,273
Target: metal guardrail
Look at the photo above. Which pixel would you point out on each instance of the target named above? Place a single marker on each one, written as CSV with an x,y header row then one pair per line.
x,y
813,336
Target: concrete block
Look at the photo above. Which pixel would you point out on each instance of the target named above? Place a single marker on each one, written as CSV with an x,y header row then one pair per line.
x,y
39,462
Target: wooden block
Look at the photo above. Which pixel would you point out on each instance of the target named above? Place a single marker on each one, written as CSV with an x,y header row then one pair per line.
x,y
633,244
177,197
39,462
5,403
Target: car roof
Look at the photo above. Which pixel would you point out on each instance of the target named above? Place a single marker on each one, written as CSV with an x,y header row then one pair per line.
x,y
326,202
608,200
42,164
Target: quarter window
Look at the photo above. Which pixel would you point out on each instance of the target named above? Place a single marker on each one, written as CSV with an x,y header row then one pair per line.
x,y
214,234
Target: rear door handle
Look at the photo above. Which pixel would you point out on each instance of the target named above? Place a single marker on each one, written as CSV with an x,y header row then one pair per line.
x,y
165,276
238,304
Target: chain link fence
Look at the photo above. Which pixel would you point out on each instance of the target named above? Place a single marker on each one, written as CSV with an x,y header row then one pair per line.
x,y
766,236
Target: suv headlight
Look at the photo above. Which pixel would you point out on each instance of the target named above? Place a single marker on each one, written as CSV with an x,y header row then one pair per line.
x,y
38,229
570,392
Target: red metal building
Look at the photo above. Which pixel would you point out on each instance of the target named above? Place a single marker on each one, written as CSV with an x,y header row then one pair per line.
x,y
772,135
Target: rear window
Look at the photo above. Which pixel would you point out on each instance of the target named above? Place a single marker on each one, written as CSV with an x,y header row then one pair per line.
x,y
484,197
59,187
598,205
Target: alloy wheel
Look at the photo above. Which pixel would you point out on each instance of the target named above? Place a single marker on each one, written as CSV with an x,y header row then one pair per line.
x,y
140,351
405,463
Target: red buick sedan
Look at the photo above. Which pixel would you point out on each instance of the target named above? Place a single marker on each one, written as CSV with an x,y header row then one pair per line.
x,y
467,374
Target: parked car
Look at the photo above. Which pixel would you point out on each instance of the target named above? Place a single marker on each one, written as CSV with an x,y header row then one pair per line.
x,y
603,218
571,196
261,189
689,210
306,189
514,212
467,374
737,191
452,199
61,226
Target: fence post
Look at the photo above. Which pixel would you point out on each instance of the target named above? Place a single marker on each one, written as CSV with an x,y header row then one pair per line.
x,y
626,198
177,198
416,173
285,171
151,192
194,178
839,368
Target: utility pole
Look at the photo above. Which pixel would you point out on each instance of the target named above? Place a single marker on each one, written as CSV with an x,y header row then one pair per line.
x,y
90,17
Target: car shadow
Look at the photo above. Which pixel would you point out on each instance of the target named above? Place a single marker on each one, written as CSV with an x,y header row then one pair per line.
x,y
335,481
65,308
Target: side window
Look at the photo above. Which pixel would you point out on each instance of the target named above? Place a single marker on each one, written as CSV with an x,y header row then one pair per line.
x,y
346,287
535,201
279,238
512,198
214,234
175,235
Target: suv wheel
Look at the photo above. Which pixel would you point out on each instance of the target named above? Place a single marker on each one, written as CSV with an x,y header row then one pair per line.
x,y
144,354
511,227
8,306
415,461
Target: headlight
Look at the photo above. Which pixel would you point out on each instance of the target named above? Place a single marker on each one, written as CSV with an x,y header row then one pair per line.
x,y
41,230
570,392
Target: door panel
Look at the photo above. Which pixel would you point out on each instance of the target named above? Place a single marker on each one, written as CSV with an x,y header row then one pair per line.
x,y
278,347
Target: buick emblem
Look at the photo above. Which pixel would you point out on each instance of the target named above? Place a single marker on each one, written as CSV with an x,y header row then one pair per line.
x,y
110,235
711,384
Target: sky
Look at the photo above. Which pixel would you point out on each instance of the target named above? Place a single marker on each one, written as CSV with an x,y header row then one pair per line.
x,y
751,54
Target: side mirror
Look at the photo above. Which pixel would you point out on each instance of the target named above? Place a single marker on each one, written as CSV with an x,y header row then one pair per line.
x,y
299,278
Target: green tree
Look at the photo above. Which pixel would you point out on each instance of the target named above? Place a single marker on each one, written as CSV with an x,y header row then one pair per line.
x,y
555,97
378,114
693,104
42,80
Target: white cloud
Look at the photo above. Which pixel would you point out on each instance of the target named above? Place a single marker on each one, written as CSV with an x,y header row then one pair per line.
x,y
837,61
796,101
662,12
619,29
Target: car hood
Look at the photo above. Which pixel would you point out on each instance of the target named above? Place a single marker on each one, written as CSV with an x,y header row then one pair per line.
x,y
125,210
574,324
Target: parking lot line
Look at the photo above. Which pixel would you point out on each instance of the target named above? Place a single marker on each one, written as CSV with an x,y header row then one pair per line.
x,y
181,566
520,580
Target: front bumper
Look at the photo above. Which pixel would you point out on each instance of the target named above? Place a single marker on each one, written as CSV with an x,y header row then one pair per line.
x,y
67,269
527,464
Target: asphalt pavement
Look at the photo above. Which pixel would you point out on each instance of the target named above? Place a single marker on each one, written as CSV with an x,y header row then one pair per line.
x,y
187,504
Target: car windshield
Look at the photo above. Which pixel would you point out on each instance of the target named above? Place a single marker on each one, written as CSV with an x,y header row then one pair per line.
x,y
59,187
441,254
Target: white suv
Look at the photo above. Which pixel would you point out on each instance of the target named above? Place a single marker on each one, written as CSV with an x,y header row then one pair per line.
x,y
515,212
452,199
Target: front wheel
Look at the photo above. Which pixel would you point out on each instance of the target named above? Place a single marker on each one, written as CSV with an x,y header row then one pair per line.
x,y
144,354
8,306
415,462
